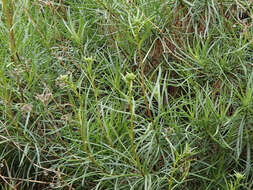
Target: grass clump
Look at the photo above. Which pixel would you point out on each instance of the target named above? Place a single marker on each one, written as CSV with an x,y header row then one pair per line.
x,y
126,94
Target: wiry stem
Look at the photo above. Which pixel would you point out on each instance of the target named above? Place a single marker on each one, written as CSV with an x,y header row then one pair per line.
x,y
14,54
132,131
90,61
9,20
83,135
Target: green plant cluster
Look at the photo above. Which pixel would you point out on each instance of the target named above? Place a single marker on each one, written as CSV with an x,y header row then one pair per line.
x,y
126,94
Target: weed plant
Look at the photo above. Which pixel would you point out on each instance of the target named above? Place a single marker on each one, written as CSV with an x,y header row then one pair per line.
x,y
126,94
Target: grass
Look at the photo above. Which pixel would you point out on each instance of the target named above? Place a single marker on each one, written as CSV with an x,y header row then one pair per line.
x,y
122,94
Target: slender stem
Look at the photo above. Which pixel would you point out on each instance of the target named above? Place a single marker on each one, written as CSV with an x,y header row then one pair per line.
x,y
132,130
9,20
83,135
82,129
99,112
14,54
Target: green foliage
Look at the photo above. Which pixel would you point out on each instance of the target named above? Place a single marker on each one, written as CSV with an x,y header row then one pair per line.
x,y
120,94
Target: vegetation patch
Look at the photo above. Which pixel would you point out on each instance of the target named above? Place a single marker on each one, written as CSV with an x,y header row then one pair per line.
x,y
126,94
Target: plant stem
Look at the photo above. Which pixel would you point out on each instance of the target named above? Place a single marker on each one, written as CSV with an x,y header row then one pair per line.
x,y
9,20
83,135
98,112
132,130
